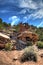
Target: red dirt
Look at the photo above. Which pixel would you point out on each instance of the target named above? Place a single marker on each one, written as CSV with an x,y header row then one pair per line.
x,y
7,58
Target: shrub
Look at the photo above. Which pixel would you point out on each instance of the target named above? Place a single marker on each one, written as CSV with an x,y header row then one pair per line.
x,y
40,44
29,43
28,54
8,46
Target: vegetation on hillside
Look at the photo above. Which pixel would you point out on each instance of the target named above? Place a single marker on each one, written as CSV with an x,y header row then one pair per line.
x,y
39,31
4,25
29,54
40,44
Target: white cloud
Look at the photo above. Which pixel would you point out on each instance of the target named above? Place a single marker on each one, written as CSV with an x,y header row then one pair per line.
x,y
37,14
25,19
41,24
22,11
13,17
14,20
28,4
41,4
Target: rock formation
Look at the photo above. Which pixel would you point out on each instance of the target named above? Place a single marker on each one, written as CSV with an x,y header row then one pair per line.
x,y
28,36
3,40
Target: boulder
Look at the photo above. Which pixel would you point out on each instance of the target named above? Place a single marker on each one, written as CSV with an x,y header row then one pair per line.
x,y
3,40
28,36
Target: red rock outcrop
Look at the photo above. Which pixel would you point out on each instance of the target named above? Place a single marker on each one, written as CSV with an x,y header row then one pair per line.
x,y
28,36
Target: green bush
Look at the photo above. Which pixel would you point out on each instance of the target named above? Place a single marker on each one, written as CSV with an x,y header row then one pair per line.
x,y
29,43
40,44
8,46
28,54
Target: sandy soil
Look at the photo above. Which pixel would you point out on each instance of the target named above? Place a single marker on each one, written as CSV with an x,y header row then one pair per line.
x,y
7,58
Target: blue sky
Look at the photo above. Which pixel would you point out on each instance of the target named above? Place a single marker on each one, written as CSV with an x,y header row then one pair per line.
x,y
15,11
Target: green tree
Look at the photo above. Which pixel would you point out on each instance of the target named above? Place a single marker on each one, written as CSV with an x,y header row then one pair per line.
x,y
0,21
39,31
